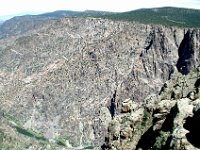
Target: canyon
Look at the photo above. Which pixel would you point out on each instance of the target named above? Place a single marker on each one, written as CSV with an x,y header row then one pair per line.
x,y
60,80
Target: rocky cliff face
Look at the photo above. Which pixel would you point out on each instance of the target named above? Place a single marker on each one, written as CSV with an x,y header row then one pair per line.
x,y
188,52
168,120
69,77
21,24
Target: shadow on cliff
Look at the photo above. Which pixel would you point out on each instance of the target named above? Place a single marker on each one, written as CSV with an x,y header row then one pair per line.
x,y
186,54
192,124
113,105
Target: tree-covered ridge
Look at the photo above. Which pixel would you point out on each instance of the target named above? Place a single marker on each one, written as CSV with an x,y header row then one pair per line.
x,y
169,16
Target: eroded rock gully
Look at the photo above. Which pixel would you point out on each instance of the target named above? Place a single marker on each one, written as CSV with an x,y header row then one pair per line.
x,y
59,79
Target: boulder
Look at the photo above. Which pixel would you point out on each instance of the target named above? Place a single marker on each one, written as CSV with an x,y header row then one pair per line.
x,y
128,105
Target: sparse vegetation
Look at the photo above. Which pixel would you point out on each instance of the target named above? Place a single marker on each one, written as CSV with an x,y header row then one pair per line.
x,y
30,133
88,147
161,140
146,118
166,16
23,138
22,130
61,141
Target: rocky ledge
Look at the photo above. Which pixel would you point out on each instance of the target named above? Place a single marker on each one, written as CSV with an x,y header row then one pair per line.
x,y
169,120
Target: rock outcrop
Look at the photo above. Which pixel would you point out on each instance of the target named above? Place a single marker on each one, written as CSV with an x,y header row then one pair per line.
x,y
188,52
164,123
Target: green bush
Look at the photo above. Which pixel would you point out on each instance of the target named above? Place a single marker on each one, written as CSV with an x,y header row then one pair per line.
x,y
161,140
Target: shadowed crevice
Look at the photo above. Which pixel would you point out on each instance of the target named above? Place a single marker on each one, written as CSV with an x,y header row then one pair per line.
x,y
193,125
186,54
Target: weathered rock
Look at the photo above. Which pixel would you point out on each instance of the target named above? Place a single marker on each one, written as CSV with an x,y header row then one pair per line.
x,y
126,133
160,112
65,73
188,54
191,95
128,105
175,123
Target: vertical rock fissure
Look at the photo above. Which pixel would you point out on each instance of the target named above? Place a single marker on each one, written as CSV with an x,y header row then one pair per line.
x,y
113,106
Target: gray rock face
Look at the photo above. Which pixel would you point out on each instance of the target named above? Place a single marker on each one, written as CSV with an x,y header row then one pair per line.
x,y
156,62
59,79
189,52
20,25
164,122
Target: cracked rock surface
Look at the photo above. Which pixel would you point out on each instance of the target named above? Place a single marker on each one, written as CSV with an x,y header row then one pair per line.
x,y
60,79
